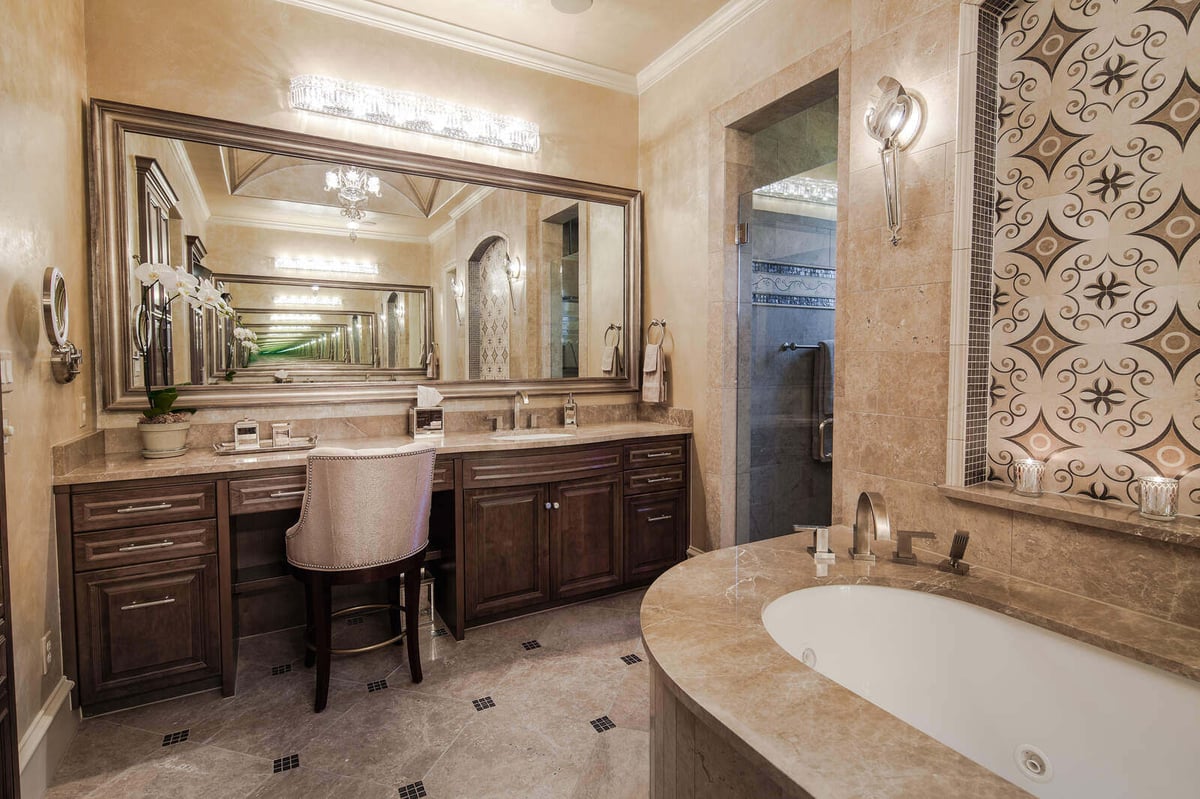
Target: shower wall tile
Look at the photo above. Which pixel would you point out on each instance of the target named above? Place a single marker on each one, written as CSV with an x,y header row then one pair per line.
x,y
896,267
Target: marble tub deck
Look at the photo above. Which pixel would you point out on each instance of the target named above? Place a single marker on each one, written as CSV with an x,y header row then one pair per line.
x,y
702,628
534,737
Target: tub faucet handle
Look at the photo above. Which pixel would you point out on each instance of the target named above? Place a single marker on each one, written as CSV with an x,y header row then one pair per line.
x,y
958,548
904,546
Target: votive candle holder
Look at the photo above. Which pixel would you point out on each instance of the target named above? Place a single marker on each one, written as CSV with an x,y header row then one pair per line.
x,y
1158,497
1029,473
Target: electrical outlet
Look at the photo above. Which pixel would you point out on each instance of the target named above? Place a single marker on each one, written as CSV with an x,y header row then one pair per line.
x,y
47,652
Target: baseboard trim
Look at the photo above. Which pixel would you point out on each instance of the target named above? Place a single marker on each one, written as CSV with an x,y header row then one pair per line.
x,y
45,742
694,551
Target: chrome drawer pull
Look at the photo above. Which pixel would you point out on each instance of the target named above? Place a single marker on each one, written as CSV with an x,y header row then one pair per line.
x,y
659,454
282,494
144,508
659,479
556,506
137,547
547,506
169,600
664,518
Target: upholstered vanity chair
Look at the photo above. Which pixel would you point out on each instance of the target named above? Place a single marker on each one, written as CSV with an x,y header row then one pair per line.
x,y
365,519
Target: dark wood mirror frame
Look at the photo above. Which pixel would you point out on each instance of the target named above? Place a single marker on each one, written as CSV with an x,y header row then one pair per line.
x,y
110,121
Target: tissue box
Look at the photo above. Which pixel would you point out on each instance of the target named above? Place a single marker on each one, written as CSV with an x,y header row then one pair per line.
x,y
426,422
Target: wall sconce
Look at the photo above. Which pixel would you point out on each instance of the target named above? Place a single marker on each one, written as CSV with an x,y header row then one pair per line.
x,y
458,290
513,270
894,120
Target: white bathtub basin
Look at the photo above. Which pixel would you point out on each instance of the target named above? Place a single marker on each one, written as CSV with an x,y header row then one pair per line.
x,y
531,436
997,689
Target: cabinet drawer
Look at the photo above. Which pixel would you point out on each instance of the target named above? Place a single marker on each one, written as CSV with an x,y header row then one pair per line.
x,y
142,628
443,474
545,468
106,510
144,544
256,494
655,453
655,534
659,478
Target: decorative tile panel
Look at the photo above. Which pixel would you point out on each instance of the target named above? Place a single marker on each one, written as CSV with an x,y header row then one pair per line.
x,y
1095,305
490,316
792,285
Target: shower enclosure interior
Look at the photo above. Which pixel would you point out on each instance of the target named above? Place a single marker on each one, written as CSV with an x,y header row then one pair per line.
x,y
786,326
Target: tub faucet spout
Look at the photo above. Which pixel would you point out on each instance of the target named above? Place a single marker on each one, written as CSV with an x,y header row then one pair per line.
x,y
870,522
520,399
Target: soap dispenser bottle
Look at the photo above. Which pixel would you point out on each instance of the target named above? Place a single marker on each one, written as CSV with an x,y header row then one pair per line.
x,y
569,411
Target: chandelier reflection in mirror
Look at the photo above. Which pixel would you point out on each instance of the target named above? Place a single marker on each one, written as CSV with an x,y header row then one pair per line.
x,y
354,186
893,120
412,112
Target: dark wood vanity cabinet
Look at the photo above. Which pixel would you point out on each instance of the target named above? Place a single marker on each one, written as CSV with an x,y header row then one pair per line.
x,y
535,542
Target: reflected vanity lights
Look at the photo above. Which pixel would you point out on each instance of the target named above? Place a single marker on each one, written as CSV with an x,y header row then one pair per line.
x,y
412,112
295,317
813,190
326,265
308,299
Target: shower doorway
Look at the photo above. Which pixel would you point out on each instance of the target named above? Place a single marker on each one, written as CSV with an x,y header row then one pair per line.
x,y
787,299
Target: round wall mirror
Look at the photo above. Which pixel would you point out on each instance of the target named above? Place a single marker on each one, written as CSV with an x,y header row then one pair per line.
x,y
55,309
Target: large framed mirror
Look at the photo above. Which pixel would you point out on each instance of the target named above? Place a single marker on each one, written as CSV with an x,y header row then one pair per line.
x,y
350,267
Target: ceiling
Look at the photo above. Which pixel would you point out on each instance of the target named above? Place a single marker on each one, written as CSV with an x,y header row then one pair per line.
x,y
621,44
624,35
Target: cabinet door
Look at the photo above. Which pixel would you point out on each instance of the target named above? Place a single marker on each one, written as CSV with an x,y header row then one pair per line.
x,y
507,543
143,628
655,526
585,535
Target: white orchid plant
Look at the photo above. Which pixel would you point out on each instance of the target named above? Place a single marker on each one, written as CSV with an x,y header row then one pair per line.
x,y
248,339
176,282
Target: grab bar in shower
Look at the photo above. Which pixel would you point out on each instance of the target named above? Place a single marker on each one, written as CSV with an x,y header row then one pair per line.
x,y
791,346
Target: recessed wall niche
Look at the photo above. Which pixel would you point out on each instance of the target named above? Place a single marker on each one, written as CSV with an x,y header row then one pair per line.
x,y
1094,295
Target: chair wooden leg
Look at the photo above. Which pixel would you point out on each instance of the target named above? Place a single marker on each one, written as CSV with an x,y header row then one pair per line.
x,y
395,592
322,623
412,610
310,631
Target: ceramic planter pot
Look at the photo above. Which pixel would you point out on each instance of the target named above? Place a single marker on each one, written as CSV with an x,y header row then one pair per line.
x,y
164,440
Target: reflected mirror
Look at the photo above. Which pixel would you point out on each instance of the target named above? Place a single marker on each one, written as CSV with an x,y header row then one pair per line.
x,y
351,264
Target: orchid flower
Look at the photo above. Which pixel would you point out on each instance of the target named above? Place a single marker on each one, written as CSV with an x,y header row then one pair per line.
x,y
163,274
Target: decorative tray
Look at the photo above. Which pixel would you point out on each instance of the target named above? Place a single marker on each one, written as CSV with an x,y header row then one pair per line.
x,y
298,443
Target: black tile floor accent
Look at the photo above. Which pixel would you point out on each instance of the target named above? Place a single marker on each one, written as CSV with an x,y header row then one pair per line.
x,y
377,685
531,645
413,790
172,738
629,660
439,632
284,669
603,724
287,763
484,703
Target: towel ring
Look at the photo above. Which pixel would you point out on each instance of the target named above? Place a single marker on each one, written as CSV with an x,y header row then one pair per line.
x,y
608,330
661,324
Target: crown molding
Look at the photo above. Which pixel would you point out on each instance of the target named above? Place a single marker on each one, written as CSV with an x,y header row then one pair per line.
x,y
379,15
189,175
704,34
473,199
300,227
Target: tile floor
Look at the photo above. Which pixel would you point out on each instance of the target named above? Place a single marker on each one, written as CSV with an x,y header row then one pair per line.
x,y
550,705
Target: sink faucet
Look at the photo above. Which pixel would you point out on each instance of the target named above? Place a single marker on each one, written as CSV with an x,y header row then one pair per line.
x,y
520,399
870,522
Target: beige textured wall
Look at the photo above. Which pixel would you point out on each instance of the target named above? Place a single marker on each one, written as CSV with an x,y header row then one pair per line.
x,y
675,148
42,223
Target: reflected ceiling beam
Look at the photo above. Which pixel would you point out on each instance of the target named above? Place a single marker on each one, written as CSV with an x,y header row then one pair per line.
x,y
325,230
379,15
238,175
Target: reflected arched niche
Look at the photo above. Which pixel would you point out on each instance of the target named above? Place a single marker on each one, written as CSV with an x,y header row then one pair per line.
x,y
489,318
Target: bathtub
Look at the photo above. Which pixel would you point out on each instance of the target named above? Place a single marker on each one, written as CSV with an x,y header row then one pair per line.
x,y
1059,718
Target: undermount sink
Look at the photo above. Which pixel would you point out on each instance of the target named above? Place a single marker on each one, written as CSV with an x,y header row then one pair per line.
x,y
530,436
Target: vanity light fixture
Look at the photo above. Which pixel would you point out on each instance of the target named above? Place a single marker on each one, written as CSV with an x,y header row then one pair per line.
x,y
412,112
295,317
812,190
513,270
308,299
326,265
458,289
893,120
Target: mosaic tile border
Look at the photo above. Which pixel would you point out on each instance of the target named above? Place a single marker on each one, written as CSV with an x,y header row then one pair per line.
x,y
792,285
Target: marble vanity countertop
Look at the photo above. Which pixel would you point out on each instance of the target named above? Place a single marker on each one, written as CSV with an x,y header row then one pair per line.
x,y
200,461
702,626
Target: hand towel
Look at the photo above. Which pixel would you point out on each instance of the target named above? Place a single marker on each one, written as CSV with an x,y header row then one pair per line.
x,y
608,360
654,383
823,401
